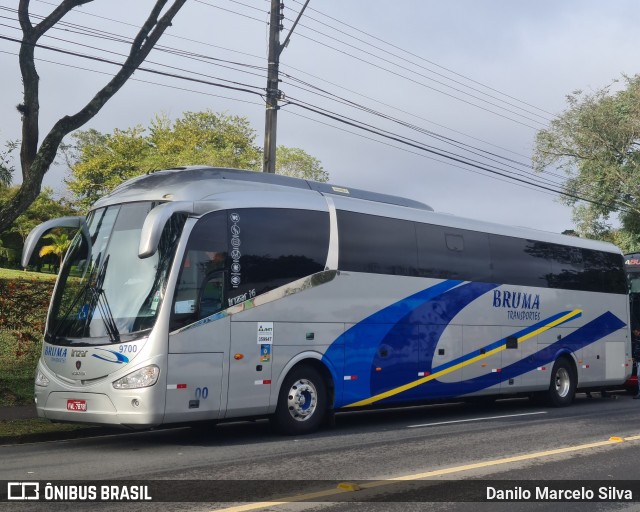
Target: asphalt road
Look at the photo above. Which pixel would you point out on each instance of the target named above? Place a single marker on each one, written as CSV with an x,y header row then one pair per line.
x,y
510,445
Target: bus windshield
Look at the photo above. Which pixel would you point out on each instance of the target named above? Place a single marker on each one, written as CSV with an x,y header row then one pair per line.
x,y
105,293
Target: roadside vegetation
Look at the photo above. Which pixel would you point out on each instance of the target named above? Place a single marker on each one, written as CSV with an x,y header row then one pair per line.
x,y
24,299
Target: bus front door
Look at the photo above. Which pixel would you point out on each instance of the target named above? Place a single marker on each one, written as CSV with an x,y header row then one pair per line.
x,y
196,365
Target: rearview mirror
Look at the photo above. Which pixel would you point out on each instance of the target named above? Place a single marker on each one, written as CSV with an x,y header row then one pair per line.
x,y
36,234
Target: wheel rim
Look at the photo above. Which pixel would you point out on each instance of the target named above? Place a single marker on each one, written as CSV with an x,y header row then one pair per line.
x,y
302,400
563,382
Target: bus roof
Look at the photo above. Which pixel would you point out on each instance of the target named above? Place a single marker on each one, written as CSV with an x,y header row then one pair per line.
x,y
200,183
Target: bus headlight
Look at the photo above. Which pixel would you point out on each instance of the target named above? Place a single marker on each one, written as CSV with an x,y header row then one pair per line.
x,y
41,380
142,378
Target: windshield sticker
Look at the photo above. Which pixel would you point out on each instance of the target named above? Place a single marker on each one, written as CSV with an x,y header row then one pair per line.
x,y
185,306
111,356
155,302
265,333
84,312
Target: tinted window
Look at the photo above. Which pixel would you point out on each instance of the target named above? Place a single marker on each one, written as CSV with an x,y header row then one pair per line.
x,y
271,247
567,268
604,272
448,253
520,261
380,245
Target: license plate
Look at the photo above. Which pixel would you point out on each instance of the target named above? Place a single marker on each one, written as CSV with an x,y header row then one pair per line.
x,y
76,405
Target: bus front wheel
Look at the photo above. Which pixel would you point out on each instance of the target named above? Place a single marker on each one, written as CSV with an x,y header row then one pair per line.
x,y
302,403
562,388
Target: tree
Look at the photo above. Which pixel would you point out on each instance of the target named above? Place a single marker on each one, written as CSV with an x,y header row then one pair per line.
x,y
35,160
6,253
45,207
60,242
6,163
100,162
299,164
596,142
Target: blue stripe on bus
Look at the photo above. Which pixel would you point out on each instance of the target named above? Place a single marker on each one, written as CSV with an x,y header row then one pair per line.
x,y
410,329
502,342
389,328
365,337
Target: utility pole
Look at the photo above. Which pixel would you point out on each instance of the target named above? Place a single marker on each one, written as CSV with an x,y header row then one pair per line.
x,y
273,90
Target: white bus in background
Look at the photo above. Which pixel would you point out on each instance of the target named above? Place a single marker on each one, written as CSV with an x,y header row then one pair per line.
x,y
213,294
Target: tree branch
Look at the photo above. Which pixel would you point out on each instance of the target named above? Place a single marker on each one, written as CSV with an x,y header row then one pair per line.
x,y
36,162
150,33
30,107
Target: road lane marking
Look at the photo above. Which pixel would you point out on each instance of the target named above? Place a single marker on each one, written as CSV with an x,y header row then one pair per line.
x,y
476,419
428,474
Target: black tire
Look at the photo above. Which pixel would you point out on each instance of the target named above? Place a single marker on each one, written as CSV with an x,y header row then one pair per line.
x,y
302,403
562,388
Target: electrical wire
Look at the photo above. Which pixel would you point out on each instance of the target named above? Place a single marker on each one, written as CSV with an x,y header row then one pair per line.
x,y
376,38
320,111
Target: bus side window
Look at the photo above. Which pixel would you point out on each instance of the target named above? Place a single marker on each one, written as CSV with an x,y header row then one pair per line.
x,y
199,288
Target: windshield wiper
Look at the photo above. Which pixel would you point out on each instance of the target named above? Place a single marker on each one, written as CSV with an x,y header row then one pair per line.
x,y
100,301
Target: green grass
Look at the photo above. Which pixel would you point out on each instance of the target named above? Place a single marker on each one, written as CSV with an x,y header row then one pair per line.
x,y
24,298
8,273
17,373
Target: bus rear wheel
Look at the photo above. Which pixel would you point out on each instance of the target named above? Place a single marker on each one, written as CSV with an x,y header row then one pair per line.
x,y
562,388
302,403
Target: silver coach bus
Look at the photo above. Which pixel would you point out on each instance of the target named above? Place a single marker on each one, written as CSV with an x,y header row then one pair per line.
x,y
210,294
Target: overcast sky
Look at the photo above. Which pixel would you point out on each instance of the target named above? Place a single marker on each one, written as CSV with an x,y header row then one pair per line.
x,y
485,75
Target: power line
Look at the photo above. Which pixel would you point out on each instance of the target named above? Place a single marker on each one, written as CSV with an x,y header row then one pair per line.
x,y
325,45
401,140
318,110
412,114
441,152
123,55
108,35
148,70
334,116
419,57
174,36
228,10
430,87
447,140
184,89
453,155
102,34
389,61
423,155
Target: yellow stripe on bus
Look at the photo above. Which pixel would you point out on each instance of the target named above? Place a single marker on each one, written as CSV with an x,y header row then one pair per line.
x,y
411,385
